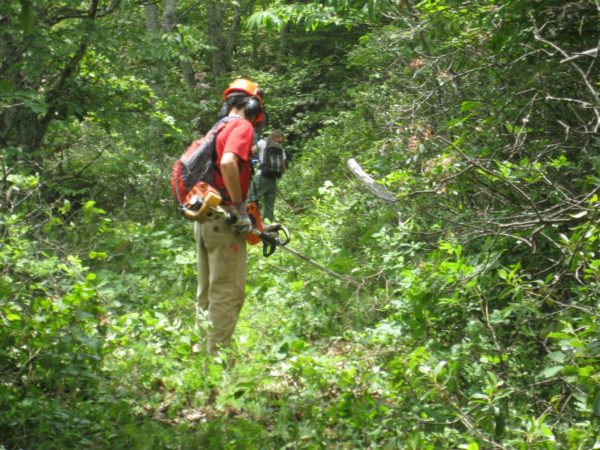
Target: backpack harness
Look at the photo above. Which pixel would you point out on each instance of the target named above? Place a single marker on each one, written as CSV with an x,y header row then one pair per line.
x,y
194,170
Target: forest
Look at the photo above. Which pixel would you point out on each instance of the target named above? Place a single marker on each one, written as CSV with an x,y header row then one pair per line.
x,y
455,299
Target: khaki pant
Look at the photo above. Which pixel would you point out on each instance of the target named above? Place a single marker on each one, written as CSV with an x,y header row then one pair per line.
x,y
221,278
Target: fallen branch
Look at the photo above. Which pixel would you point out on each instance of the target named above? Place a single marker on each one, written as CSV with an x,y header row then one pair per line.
x,y
376,189
591,52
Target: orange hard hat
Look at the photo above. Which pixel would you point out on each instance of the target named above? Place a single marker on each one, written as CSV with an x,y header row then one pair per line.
x,y
251,89
242,85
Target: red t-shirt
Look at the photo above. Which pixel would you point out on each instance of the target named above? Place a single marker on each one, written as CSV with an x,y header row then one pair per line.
x,y
237,137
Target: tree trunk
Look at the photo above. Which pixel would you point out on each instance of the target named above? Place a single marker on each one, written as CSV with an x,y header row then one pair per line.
x,y
169,25
25,128
224,41
220,63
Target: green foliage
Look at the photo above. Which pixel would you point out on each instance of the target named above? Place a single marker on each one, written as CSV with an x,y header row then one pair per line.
x,y
312,15
469,318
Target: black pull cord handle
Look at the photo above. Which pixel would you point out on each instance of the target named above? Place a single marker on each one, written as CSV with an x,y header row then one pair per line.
x,y
271,241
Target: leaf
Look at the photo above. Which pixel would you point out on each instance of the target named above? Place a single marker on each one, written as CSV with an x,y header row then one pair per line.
x,y
593,348
596,405
66,207
558,357
468,105
32,100
13,317
6,87
559,335
458,121
550,372
438,368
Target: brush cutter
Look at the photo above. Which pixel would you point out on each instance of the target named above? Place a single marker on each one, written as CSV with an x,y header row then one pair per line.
x,y
205,205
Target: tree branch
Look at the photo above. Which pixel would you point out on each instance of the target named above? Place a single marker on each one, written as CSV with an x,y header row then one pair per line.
x,y
72,64
376,189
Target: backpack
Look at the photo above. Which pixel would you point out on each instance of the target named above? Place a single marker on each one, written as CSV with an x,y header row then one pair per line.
x,y
196,165
272,160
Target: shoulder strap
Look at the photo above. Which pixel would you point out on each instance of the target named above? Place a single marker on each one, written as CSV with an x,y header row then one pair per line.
x,y
222,122
271,143
218,127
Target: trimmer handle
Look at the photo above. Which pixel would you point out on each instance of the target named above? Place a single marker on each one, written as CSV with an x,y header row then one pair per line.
x,y
271,240
272,236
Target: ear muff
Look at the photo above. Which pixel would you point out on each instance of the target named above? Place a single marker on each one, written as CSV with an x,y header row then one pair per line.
x,y
252,107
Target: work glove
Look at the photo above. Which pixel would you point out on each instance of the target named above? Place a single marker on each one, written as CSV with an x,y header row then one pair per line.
x,y
242,224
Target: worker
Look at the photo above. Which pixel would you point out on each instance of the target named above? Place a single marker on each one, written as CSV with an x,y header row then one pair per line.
x,y
221,246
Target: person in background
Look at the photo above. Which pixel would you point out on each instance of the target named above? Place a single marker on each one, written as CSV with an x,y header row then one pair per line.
x,y
221,246
272,164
